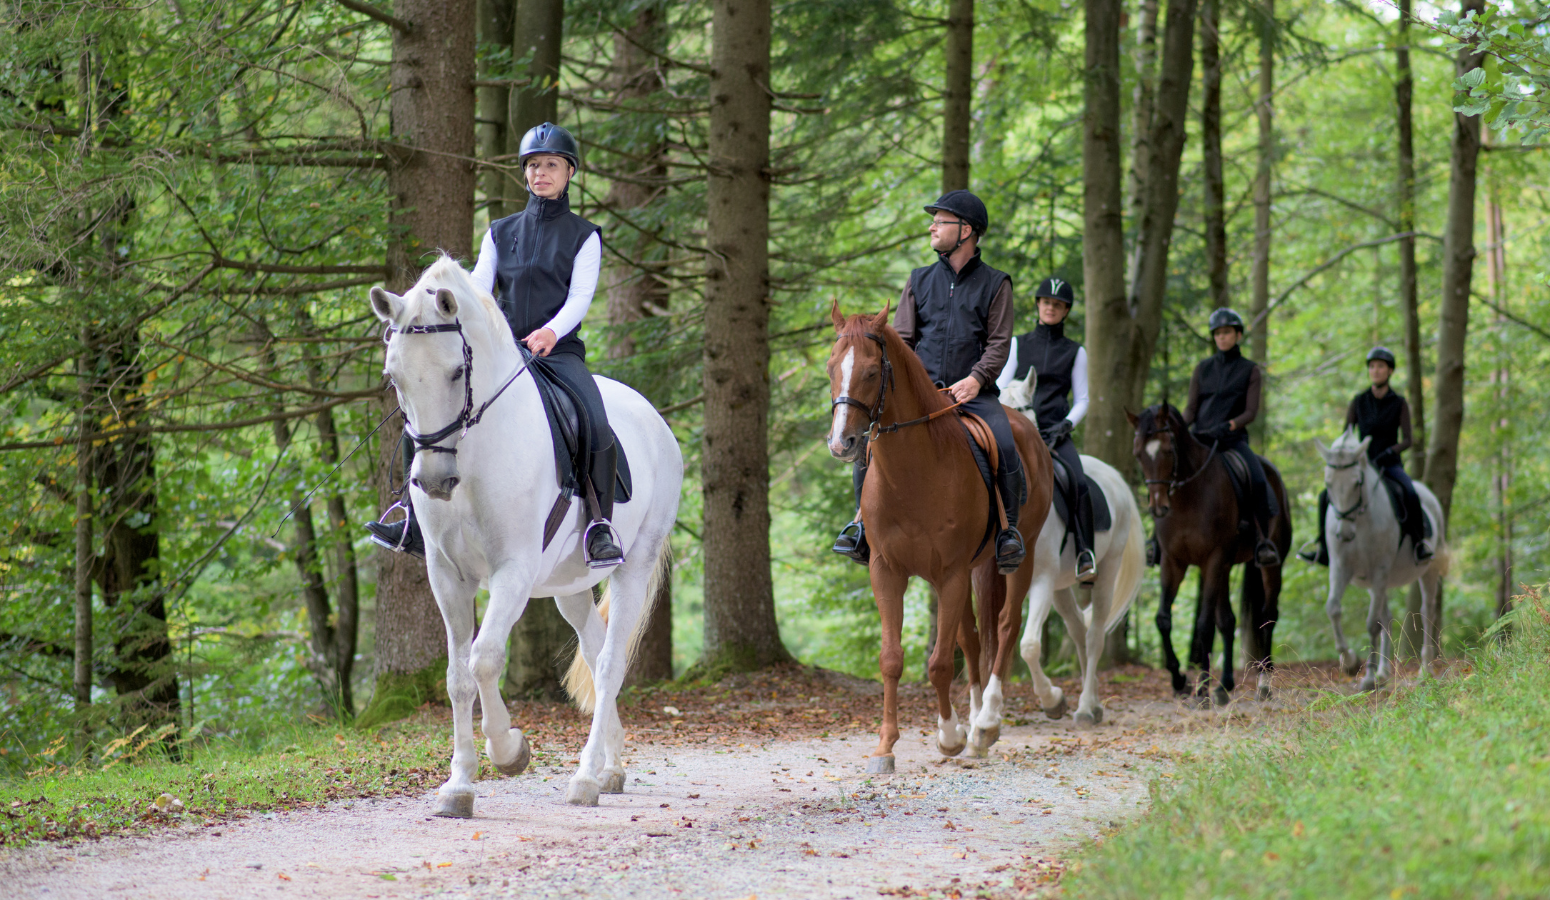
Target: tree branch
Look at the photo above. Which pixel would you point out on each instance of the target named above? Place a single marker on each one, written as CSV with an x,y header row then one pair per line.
x,y
366,9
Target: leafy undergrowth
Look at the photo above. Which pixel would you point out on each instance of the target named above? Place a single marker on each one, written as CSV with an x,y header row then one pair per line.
x,y
1435,790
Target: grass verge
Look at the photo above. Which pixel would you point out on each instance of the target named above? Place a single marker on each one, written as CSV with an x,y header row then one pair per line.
x,y
1437,790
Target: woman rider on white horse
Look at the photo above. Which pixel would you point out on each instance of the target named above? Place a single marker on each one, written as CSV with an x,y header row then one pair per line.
x,y
1062,367
542,267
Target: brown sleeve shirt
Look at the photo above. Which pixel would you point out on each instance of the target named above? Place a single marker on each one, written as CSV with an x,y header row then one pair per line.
x,y
998,342
1250,400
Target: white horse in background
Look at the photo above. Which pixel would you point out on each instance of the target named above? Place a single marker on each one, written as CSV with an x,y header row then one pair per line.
x,y
1121,560
1367,547
482,495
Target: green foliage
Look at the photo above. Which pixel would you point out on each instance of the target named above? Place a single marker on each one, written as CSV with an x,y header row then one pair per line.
x,y
397,695
1509,95
1429,790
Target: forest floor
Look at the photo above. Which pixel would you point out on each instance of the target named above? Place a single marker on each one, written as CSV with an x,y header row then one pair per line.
x,y
750,788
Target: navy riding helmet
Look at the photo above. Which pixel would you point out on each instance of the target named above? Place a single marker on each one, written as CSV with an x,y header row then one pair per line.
x,y
550,138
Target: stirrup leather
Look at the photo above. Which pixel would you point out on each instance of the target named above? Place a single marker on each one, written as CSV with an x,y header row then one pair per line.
x,y
586,546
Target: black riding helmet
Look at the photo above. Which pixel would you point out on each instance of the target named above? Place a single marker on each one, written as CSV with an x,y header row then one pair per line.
x,y
1225,318
1056,289
549,138
965,206
1382,353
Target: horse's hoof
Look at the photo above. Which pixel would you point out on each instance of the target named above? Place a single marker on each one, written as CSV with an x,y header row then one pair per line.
x,y
454,805
1264,693
583,791
1199,701
948,751
1221,696
987,736
1349,664
1085,719
1058,711
976,748
879,765
515,766
1366,684
613,781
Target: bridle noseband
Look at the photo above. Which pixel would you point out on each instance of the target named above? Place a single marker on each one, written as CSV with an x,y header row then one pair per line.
x,y
1361,491
1173,482
468,417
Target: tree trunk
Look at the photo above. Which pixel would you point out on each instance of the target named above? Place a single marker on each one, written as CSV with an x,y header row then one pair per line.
x,y
1458,259
1211,152
537,36
347,604
1501,382
1122,332
1415,355
654,658
1142,100
740,627
432,186
1264,108
85,557
956,123
495,28
541,645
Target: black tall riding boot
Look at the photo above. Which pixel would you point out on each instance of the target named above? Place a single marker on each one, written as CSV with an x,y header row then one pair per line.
x,y
1415,526
602,547
852,538
1316,551
1086,561
1265,552
1009,543
404,535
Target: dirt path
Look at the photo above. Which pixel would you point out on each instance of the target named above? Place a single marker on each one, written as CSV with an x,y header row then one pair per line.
x,y
767,818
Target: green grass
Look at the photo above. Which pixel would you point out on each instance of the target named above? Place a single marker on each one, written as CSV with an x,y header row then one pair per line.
x,y
1441,790
298,767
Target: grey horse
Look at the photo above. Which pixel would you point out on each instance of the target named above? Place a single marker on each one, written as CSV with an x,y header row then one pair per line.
x,y
1367,547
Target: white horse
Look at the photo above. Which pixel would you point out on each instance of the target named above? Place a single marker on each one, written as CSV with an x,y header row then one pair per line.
x,y
1367,547
1121,560
482,494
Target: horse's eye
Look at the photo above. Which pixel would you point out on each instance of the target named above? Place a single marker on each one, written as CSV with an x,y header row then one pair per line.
x,y
457,373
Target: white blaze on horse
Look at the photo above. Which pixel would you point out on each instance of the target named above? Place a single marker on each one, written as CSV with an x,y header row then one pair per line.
x,y
482,493
1368,547
1121,558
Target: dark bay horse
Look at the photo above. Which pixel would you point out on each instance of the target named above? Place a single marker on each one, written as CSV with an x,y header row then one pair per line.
x,y
1191,497
925,508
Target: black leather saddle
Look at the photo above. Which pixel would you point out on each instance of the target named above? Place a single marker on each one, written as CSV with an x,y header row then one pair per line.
x,y
572,442
1103,519
1401,511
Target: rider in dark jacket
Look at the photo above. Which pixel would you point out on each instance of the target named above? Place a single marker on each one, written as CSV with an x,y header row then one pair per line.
x,y
1382,414
957,316
542,267
1224,396
1061,364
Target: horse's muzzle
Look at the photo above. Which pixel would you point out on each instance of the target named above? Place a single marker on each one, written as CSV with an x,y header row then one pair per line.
x,y
846,448
438,489
1159,511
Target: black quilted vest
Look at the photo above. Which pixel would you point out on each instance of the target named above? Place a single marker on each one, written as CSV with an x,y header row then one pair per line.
x,y
1379,419
1224,389
534,252
952,312
1047,350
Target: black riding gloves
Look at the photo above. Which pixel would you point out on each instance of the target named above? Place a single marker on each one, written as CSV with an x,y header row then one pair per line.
x,y
1387,458
1057,431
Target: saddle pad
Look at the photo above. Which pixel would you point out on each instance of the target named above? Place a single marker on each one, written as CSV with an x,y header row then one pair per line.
x,y
1397,502
982,445
570,432
1103,518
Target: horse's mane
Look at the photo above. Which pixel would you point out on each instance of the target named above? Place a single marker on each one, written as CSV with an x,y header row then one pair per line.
x,y
909,372
474,306
1160,418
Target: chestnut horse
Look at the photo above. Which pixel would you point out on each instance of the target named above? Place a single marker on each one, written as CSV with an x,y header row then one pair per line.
x,y
1191,496
926,508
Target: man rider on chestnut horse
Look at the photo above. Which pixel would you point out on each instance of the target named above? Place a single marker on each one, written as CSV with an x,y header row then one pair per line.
x,y
1061,364
1224,396
957,316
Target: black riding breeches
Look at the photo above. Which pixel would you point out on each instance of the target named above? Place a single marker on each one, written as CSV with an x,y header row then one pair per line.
x,y
989,408
1412,519
572,369
1262,497
1065,448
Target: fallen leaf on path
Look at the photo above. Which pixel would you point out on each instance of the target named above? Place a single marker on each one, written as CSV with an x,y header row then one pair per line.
x,y
283,876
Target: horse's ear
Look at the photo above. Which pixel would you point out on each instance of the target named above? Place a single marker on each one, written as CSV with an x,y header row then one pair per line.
x,y
836,316
881,319
1032,379
1362,447
446,303
1323,450
386,304
1135,420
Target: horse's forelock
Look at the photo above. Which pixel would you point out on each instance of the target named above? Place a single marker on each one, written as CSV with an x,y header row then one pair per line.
x,y
475,307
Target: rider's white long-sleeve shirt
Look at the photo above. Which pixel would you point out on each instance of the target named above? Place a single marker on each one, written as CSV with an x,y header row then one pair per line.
x,y
1078,382
584,275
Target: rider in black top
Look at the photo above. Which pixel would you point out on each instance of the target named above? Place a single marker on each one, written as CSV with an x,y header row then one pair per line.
x,y
1382,414
1224,396
1061,364
542,265
957,317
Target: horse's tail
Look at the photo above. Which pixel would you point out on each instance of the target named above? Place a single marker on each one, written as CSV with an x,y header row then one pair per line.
x,y
578,679
1132,563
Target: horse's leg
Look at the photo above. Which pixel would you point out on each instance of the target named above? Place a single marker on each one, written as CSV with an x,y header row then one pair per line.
x,y
600,758
583,615
1227,625
888,589
1171,577
968,638
1041,597
455,798
1005,626
506,747
1377,674
1431,636
1089,709
1265,628
1339,579
1204,635
952,603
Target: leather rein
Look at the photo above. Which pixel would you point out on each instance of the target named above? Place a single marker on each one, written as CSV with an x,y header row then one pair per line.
x,y
874,412
1174,483
469,416
1361,491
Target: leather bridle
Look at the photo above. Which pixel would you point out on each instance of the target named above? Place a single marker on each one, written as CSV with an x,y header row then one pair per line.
x,y
1173,482
469,416
1361,491
874,412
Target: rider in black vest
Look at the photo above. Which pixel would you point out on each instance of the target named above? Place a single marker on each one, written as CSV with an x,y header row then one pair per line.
x,y
1382,414
1224,398
542,267
1061,364
957,316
